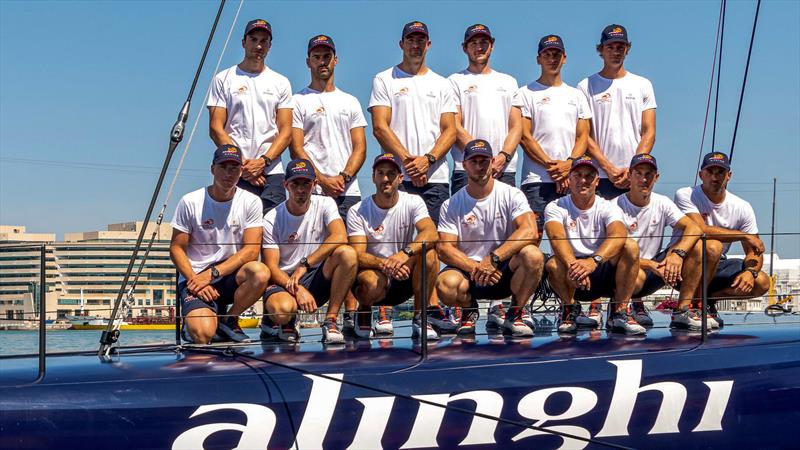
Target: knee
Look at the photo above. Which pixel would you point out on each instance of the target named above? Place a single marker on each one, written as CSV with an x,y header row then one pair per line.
x,y
631,248
257,273
761,285
552,266
345,255
713,249
531,256
449,283
281,308
369,287
640,279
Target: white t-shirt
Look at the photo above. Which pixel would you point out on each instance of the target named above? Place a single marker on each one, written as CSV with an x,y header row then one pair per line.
x,y
326,119
387,230
252,101
617,107
417,102
482,225
298,236
216,229
586,229
554,112
485,101
646,224
734,213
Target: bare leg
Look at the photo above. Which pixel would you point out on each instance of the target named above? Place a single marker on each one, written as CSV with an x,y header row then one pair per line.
x,y
527,266
627,271
371,288
691,275
281,307
453,289
713,255
561,284
252,279
201,324
432,268
340,268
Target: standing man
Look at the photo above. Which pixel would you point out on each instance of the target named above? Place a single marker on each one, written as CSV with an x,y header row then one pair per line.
x,y
593,257
725,218
486,236
309,264
214,273
484,109
413,117
381,230
555,128
250,106
623,107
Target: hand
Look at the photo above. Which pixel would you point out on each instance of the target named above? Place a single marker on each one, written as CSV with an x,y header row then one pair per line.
x,y
499,165
395,266
756,243
670,269
331,186
562,187
743,283
623,182
294,280
484,273
559,169
416,166
199,281
252,168
580,269
419,181
208,294
305,301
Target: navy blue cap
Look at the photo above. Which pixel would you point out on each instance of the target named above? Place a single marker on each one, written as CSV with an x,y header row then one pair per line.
x,y
300,168
477,29
584,160
477,147
716,159
551,41
323,40
415,27
614,33
643,158
386,157
258,24
227,152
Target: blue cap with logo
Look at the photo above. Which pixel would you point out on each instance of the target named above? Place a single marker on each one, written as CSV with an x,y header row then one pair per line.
x,y
321,40
614,33
476,30
227,152
643,158
386,157
551,41
258,24
300,168
477,147
716,159
584,160
415,27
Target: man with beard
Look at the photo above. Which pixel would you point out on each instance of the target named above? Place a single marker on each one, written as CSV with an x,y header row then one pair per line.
x,y
250,106
486,235
623,109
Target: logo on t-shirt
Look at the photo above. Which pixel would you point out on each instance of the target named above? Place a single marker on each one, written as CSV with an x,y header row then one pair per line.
x,y
292,238
431,94
402,91
471,89
242,90
208,224
605,98
630,97
634,226
544,101
471,219
379,229
572,225
320,110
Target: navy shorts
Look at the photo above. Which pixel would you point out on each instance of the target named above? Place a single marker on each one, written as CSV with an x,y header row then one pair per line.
x,y
314,281
539,195
498,291
458,179
602,281
345,202
653,282
226,286
608,191
433,194
727,270
397,292
272,193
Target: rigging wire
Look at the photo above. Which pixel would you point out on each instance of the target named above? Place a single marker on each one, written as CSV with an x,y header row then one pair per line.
x,y
744,81
710,87
719,77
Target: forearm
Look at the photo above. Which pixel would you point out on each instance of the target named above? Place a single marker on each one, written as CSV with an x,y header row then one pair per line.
x,y
534,151
429,238
325,249
355,161
277,276
593,149
245,255
452,256
220,136
389,142
611,246
369,261
646,144
753,261
581,139
724,234
462,136
443,143
181,261
518,239
563,250
280,143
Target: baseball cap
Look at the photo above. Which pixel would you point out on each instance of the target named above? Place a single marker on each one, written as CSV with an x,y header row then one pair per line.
x,y
477,147
227,152
300,168
477,29
321,40
258,24
415,27
551,41
387,157
584,160
643,158
614,33
716,159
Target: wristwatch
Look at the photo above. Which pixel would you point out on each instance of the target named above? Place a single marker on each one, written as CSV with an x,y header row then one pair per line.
x,y
266,159
571,158
598,259
214,273
347,178
753,272
495,259
508,157
679,252
304,263
408,251
431,159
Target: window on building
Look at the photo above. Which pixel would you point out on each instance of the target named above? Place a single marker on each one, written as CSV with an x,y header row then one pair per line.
x,y
62,313
10,314
20,314
158,297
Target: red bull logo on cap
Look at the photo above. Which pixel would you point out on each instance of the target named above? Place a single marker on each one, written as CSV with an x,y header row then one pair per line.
x,y
717,157
552,39
617,30
479,144
299,166
388,155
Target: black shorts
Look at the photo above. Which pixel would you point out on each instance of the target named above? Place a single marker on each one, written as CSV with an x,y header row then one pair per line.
x,y
226,286
498,291
345,202
272,193
433,194
653,282
727,270
608,191
458,179
602,283
314,281
539,195
397,292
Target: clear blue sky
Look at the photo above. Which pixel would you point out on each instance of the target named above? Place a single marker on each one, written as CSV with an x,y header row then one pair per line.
x,y
89,90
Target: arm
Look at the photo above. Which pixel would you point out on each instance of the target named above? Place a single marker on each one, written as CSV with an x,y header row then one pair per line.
x,y
359,154
177,252
365,260
462,135
283,119
560,170
417,166
448,251
217,117
530,146
510,143
395,265
726,235
753,259
332,186
648,138
381,129
559,242
525,233
616,233
337,235
272,257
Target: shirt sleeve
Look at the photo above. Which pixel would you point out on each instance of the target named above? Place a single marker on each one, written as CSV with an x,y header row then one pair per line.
x,y
297,114
254,218
448,100
330,211
182,220
270,235
355,223
380,94
285,96
520,101
357,119
553,213
584,112
672,213
683,200
447,222
418,208
216,98
648,95
613,213
747,223
456,90
519,204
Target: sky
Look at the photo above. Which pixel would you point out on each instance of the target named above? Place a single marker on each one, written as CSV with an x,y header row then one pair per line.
x,y
89,90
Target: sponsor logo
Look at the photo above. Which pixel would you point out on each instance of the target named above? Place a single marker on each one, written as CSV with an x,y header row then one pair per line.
x,y
321,38
633,226
471,89
552,39
379,229
630,97
208,224
299,166
605,98
572,225
241,91
402,91
617,30
471,219
479,144
292,238
544,101
717,157
320,110
431,94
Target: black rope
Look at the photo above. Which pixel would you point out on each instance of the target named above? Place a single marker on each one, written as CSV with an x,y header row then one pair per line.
x,y
719,74
708,96
744,81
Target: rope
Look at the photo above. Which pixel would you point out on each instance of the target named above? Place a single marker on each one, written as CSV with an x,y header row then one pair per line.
x,y
719,77
710,86
744,81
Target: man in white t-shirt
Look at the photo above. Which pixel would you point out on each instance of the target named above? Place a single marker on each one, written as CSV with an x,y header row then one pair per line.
x,y
328,128
555,128
381,229
216,232
725,218
483,99
592,255
303,248
413,117
486,235
646,215
250,106
623,108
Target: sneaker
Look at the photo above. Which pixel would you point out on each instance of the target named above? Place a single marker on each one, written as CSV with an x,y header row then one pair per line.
x,y
496,317
514,325
591,318
440,320
229,326
714,319
331,333
468,321
349,323
363,324
641,314
568,323
187,338
623,322
527,319
454,316
685,319
416,328
382,325
269,329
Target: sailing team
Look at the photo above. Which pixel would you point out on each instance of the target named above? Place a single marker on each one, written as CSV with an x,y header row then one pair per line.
x,y
587,179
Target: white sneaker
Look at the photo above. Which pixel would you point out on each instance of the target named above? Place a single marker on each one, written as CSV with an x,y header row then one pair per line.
x,y
331,333
567,322
496,317
527,319
416,327
362,326
591,318
622,322
382,325
686,319
514,325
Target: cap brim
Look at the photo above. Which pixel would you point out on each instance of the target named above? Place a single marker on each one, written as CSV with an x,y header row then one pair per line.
x,y
306,177
322,45
236,160
726,167
259,28
390,161
649,163
608,41
475,155
584,164
479,33
553,47
416,32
